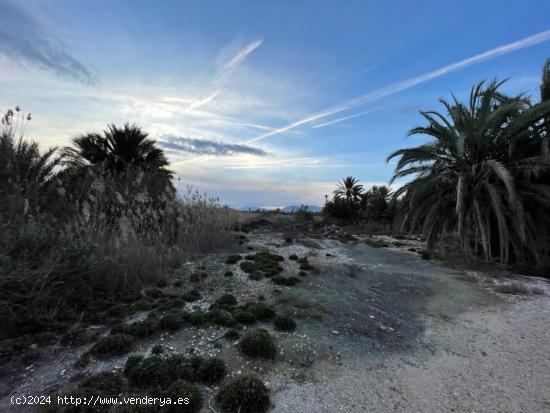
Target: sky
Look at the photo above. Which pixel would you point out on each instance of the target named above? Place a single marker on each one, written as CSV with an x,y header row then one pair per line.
x,y
262,103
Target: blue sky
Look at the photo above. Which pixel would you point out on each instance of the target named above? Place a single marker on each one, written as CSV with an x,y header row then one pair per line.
x,y
256,102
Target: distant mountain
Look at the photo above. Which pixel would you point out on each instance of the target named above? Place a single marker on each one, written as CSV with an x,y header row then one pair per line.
x,y
288,209
294,208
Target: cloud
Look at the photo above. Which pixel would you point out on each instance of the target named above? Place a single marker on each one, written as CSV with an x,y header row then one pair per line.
x,y
24,41
208,147
408,83
242,55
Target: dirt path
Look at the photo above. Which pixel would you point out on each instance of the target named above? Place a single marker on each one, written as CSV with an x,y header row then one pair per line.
x,y
414,336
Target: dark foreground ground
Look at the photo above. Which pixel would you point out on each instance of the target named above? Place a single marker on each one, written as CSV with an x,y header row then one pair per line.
x,y
379,330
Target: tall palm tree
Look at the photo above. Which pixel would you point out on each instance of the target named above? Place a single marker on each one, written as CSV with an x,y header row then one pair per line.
x,y
349,189
117,150
475,175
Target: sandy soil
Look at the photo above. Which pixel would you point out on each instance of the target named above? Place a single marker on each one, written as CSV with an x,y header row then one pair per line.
x,y
379,330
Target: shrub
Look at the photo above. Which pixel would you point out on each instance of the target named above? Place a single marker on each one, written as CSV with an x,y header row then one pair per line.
x,y
284,323
226,300
260,311
233,259
258,343
157,350
244,317
302,273
212,370
228,273
196,318
157,371
181,388
425,254
114,345
246,394
232,334
191,296
256,276
293,257
220,318
173,320
195,277
289,282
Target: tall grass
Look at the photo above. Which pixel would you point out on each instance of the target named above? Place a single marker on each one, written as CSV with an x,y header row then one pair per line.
x,y
74,238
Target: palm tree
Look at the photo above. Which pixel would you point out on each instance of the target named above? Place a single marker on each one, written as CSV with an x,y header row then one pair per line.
x,y
117,150
24,169
349,189
475,175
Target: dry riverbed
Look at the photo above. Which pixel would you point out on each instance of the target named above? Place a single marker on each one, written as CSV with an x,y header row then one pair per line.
x,y
379,330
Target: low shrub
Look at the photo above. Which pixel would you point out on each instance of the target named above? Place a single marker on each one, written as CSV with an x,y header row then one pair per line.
x,y
293,257
258,343
181,388
228,273
173,320
191,296
226,300
425,254
157,350
232,334
284,323
114,345
260,311
233,259
288,281
244,317
211,370
246,394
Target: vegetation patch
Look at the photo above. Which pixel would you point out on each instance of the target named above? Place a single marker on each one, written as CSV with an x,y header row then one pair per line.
x,y
284,323
161,371
226,300
244,317
425,254
113,345
288,281
232,334
262,264
191,296
258,343
246,394
233,259
228,273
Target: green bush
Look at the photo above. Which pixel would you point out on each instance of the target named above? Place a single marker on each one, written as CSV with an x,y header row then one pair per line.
x,y
232,334
425,254
288,281
244,317
114,345
211,370
293,257
284,323
228,273
233,259
258,343
191,296
183,389
173,320
158,371
246,394
226,300
157,350
260,311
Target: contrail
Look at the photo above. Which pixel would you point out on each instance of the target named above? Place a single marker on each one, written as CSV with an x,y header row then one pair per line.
x,y
408,83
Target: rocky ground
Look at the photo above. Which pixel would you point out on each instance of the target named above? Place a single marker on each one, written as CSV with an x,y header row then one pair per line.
x,y
379,329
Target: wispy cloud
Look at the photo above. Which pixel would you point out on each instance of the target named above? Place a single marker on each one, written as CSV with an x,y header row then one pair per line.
x,y
408,83
338,120
242,55
208,147
24,41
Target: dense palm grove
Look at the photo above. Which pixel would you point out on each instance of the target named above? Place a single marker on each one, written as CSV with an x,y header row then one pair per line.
x,y
482,179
